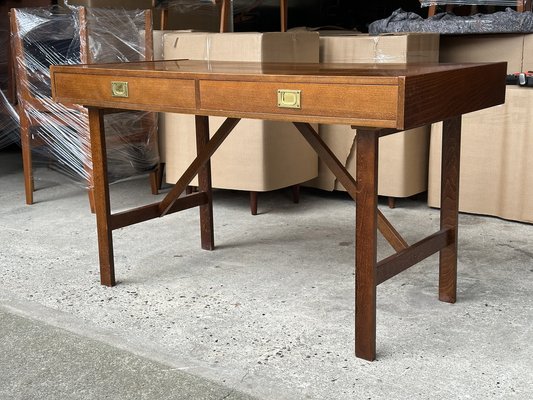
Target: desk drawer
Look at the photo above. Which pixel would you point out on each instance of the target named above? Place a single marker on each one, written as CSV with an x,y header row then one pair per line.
x,y
327,100
96,90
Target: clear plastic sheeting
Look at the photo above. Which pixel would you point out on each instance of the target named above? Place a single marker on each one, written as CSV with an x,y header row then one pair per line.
x,y
186,6
508,21
508,3
59,134
199,15
4,37
9,123
238,6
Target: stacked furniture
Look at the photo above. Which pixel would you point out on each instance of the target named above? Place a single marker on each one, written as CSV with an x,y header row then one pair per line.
x,y
47,36
497,143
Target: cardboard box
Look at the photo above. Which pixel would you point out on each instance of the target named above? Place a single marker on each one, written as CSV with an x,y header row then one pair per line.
x,y
496,175
403,160
385,48
486,48
258,155
527,58
403,157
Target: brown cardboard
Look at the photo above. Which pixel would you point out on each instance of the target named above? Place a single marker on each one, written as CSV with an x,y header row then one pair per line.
x,y
404,156
403,159
386,48
485,48
258,155
496,175
527,58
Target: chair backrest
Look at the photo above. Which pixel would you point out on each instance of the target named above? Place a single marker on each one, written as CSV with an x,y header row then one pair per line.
x,y
115,35
41,37
46,36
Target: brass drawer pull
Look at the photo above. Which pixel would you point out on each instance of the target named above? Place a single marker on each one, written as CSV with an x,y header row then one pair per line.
x,y
119,89
289,98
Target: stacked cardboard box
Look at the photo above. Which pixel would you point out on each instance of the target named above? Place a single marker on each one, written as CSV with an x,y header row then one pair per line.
x,y
403,158
258,155
515,49
497,143
496,176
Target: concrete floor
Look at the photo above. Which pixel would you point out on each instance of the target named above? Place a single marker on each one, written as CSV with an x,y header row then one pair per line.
x,y
269,314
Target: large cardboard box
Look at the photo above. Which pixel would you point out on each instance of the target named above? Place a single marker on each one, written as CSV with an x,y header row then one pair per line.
x,y
384,48
257,155
403,157
487,48
527,58
496,175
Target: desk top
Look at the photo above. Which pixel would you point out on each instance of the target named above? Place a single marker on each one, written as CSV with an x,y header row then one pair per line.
x,y
399,96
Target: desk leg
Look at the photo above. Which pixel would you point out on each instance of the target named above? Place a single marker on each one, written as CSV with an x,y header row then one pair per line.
x,y
101,197
204,185
366,243
451,150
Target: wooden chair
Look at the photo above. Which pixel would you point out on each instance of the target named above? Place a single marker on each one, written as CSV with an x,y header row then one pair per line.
x,y
63,128
521,6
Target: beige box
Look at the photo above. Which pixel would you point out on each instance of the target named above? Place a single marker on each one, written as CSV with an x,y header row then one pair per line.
x,y
403,157
257,155
527,60
486,48
384,48
496,175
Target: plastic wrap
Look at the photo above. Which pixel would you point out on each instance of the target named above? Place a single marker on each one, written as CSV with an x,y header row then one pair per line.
x,y
201,15
508,21
9,123
8,119
509,3
239,6
59,133
4,38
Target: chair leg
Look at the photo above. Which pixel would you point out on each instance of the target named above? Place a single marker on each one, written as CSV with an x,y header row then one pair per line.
x,y
27,163
295,193
392,202
253,203
154,181
160,173
90,192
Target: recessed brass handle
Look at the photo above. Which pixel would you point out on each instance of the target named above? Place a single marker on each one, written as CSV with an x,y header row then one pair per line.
x,y
119,89
289,98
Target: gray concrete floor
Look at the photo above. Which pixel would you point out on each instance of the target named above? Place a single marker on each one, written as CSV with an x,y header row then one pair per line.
x,y
269,314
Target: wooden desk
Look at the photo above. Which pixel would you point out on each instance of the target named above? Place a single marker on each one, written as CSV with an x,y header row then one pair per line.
x,y
379,100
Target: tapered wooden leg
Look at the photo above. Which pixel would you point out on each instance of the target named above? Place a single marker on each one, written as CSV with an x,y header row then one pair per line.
x,y
204,185
451,151
101,197
154,181
284,6
295,189
391,201
90,193
366,225
253,203
160,173
25,141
